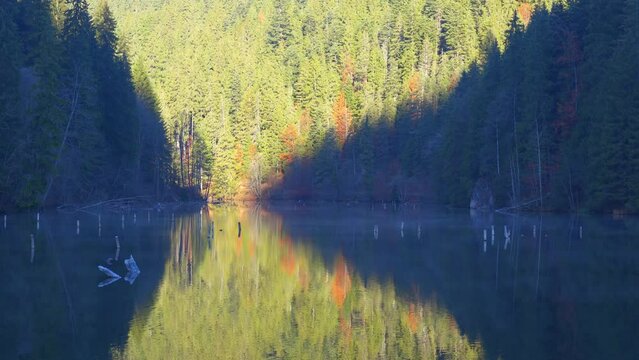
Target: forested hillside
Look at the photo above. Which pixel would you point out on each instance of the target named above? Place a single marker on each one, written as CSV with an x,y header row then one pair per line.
x,y
385,100
72,128
552,122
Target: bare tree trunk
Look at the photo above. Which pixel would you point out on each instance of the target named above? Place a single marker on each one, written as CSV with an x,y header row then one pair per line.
x,y
353,156
157,177
74,103
516,172
189,152
541,198
573,203
181,146
512,181
497,140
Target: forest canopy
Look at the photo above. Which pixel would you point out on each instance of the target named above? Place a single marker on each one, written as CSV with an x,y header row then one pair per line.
x,y
382,100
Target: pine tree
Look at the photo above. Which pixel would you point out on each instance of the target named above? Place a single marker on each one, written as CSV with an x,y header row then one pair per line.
x,y
116,93
280,28
9,100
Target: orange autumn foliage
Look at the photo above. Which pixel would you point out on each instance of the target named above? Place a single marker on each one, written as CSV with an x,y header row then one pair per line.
x,y
413,86
342,118
289,138
414,92
524,11
349,70
239,154
305,121
252,150
569,58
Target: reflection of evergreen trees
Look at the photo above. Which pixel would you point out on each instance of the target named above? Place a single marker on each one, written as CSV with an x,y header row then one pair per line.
x,y
264,296
51,307
69,119
546,293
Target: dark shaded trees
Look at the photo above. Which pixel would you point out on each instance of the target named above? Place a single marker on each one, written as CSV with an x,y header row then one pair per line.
x,y
69,111
384,100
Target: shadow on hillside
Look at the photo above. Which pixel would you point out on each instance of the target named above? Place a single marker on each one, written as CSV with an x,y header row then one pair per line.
x,y
439,155
381,163
88,126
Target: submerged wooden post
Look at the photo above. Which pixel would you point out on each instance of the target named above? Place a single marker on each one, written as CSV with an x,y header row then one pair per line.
x,y
117,248
5,221
239,229
77,229
32,248
135,218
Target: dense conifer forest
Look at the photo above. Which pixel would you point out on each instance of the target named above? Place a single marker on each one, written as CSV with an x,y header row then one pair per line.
x,y
529,105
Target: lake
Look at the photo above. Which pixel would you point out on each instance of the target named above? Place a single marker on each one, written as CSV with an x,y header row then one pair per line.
x,y
319,282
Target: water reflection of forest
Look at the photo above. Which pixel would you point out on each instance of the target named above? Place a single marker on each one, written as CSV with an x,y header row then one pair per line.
x,y
262,295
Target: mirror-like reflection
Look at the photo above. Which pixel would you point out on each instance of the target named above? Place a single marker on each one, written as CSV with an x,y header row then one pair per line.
x,y
320,282
262,295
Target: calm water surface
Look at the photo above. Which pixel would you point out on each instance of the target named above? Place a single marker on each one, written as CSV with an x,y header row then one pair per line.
x,y
319,283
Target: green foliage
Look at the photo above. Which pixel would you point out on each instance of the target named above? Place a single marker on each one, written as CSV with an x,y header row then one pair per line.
x,y
9,99
265,296
554,116
70,110
257,66
529,96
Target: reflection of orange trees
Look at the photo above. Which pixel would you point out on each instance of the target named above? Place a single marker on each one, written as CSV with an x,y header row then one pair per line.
x,y
288,256
281,303
345,327
413,319
341,282
238,246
